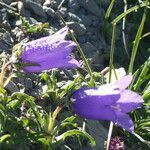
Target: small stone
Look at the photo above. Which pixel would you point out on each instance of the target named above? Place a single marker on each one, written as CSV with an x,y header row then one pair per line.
x,y
98,132
91,6
12,87
36,8
18,34
86,20
14,4
6,40
95,20
7,1
27,13
73,17
52,3
79,29
39,1
88,49
49,11
82,39
21,8
63,12
73,5
28,84
47,3
4,23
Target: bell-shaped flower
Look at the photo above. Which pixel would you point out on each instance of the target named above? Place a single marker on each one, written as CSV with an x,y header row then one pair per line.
x,y
49,52
108,102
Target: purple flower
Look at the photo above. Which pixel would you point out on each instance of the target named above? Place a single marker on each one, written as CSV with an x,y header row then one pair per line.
x,y
108,102
49,52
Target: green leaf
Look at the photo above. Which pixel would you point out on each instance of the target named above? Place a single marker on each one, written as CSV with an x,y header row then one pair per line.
x,y
69,85
46,143
14,104
2,91
75,133
137,41
4,138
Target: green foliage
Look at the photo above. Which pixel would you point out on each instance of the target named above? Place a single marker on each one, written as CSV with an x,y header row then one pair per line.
x,y
141,76
39,28
25,123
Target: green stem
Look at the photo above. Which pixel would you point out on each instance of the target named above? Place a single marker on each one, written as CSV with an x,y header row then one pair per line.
x,y
135,8
112,51
137,40
92,82
109,9
110,72
82,55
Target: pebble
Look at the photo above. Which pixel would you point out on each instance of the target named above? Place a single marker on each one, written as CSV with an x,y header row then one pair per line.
x,y
28,84
12,87
49,11
82,39
86,20
98,132
36,8
91,6
88,49
6,40
21,8
39,1
73,17
63,12
79,29
73,5
4,23
47,3
7,1
52,3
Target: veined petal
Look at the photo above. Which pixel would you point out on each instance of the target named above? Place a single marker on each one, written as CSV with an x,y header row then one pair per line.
x,y
90,103
53,63
48,40
124,82
91,109
101,95
49,52
129,101
34,53
124,121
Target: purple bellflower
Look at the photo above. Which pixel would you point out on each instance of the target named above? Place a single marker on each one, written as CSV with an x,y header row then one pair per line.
x,y
49,52
108,102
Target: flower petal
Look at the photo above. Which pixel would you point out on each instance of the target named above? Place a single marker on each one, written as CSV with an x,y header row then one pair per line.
x,y
124,82
40,52
90,103
103,95
125,121
51,55
129,101
64,64
92,110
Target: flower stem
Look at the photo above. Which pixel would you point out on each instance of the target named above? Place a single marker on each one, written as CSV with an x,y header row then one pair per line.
x,y
109,135
92,82
137,40
112,51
